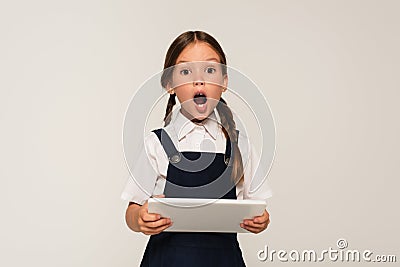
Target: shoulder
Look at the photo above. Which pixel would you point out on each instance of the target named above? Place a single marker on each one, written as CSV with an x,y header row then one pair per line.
x,y
244,143
152,144
155,135
151,138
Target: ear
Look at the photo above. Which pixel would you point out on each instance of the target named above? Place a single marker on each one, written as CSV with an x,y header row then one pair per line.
x,y
170,90
225,83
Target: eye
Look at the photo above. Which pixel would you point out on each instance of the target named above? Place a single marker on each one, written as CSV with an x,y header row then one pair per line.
x,y
185,72
210,70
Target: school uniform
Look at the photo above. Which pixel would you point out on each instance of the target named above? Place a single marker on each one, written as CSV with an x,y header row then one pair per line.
x,y
188,160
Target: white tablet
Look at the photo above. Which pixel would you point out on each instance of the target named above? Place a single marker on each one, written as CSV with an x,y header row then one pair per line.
x,y
206,215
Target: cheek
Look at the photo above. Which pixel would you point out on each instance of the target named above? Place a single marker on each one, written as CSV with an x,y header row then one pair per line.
x,y
183,93
215,92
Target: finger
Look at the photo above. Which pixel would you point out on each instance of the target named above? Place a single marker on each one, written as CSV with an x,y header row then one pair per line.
x,y
154,231
252,229
251,223
258,220
249,228
150,217
161,229
146,216
261,219
160,223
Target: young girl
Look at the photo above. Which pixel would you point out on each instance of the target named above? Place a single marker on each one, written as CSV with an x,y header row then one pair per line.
x,y
203,115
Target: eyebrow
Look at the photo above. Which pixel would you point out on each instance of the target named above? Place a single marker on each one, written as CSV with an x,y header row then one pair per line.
x,y
208,59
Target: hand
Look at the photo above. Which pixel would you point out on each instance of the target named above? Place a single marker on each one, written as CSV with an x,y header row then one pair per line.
x,y
257,224
151,223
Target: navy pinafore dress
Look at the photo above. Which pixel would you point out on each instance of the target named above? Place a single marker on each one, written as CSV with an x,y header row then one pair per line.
x,y
195,175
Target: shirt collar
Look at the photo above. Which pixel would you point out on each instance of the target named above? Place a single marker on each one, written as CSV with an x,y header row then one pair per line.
x,y
183,125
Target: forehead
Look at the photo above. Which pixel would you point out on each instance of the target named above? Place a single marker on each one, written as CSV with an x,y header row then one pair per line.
x,y
198,51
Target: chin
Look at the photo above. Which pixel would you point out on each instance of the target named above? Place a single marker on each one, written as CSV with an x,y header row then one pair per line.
x,y
194,114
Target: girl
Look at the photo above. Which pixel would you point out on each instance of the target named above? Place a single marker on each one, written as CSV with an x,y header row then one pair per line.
x,y
203,115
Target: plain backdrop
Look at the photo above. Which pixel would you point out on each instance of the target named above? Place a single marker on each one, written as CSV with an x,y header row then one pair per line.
x,y
330,72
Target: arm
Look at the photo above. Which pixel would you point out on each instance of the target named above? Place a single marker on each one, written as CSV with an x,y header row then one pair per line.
x,y
139,220
137,191
252,189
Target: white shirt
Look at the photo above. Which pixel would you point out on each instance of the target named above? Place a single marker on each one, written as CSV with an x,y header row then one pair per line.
x,y
150,170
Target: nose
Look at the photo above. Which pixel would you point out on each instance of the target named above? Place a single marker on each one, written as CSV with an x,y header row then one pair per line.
x,y
198,79
198,83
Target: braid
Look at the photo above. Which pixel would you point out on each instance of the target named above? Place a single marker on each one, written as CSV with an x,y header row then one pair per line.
x,y
229,129
168,111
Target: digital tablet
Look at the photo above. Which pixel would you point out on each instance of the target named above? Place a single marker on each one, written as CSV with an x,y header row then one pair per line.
x,y
206,215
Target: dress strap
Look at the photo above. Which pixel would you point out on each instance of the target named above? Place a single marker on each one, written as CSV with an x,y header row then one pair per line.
x,y
173,154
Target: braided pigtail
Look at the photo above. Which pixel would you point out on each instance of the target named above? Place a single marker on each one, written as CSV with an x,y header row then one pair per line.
x,y
229,129
168,111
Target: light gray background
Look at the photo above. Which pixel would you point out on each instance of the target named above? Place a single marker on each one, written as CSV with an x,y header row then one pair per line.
x,y
330,71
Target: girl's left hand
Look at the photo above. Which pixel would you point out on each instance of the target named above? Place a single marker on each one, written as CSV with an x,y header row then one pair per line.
x,y
257,224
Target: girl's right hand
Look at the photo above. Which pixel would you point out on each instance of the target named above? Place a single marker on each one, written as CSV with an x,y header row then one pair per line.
x,y
151,223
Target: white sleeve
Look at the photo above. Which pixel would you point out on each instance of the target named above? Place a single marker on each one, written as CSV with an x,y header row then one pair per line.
x,y
143,177
255,185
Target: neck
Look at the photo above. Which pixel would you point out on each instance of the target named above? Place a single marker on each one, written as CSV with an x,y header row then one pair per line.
x,y
191,118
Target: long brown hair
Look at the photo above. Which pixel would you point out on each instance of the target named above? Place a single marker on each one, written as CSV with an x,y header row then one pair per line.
x,y
227,121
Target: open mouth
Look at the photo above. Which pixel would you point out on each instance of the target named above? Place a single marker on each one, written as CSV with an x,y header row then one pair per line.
x,y
200,99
